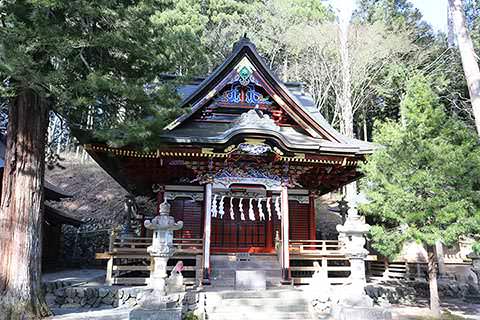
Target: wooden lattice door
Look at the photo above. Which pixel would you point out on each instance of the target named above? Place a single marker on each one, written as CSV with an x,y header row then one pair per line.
x,y
239,235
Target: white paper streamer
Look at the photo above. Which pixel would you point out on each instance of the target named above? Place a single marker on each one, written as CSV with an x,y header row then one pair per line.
x,y
260,209
221,212
214,206
240,206
232,213
269,208
251,213
277,207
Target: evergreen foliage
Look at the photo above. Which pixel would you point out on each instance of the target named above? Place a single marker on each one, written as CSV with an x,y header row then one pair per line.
x,y
424,180
94,59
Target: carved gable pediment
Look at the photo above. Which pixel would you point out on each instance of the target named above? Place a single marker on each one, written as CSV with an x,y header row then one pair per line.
x,y
242,83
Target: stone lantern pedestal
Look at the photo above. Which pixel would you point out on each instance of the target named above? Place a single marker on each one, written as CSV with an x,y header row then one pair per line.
x,y
351,300
158,301
475,264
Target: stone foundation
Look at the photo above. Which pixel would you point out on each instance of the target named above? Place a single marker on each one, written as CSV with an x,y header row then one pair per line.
x,y
405,292
61,294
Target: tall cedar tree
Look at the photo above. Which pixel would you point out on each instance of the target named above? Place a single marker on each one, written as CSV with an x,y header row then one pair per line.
x,y
424,180
469,58
76,57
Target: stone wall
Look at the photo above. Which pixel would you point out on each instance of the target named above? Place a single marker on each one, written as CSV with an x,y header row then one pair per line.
x,y
406,292
63,295
80,246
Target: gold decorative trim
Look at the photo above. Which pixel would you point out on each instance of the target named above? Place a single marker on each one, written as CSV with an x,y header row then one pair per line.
x,y
208,153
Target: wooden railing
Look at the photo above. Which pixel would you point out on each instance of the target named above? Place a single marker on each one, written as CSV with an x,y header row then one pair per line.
x,y
130,263
139,245
317,247
329,254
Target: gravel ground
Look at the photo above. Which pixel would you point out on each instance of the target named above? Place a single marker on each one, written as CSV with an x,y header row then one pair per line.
x,y
400,312
457,308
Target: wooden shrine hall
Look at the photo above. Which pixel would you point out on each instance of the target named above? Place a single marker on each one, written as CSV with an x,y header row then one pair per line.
x,y
242,169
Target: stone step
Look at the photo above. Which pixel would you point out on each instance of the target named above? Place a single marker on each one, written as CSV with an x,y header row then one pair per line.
x,y
230,284
254,264
230,273
261,305
264,294
233,315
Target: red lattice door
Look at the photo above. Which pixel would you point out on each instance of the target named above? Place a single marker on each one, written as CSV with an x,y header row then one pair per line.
x,y
239,235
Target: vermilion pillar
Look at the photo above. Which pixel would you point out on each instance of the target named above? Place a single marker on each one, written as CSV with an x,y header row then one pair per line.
x,y
312,216
207,202
285,236
269,222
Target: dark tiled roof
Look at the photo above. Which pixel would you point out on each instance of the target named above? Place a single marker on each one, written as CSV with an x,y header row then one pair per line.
x,y
218,133
56,217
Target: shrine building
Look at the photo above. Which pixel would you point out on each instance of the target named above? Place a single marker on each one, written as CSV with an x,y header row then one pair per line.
x,y
242,169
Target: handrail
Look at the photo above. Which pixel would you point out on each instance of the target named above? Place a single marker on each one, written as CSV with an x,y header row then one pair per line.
x,y
324,247
302,241
119,244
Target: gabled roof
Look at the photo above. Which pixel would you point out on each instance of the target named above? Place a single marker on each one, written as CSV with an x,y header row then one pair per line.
x,y
299,105
54,216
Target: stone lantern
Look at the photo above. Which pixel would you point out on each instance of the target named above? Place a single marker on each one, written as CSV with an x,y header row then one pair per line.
x,y
161,249
158,302
352,302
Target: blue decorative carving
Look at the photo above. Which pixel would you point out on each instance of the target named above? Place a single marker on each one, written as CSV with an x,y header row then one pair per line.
x,y
230,96
233,95
255,97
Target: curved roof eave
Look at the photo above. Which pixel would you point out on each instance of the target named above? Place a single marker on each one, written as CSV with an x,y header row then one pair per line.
x,y
282,139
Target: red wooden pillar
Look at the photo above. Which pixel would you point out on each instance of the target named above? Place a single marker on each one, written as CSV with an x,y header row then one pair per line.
x,y
312,223
286,277
269,233
207,230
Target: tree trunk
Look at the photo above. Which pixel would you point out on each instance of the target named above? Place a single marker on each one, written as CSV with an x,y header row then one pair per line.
x,y
21,209
469,59
346,109
451,33
346,91
432,282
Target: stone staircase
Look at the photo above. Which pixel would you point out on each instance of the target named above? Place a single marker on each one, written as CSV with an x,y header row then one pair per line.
x,y
223,268
270,304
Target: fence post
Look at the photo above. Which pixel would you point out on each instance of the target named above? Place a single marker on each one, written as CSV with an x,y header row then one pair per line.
x,y
109,276
325,268
386,272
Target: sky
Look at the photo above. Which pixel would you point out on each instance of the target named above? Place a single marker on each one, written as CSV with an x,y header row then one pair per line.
x,y
434,11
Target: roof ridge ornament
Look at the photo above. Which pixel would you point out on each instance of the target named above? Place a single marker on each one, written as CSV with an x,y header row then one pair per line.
x,y
244,40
